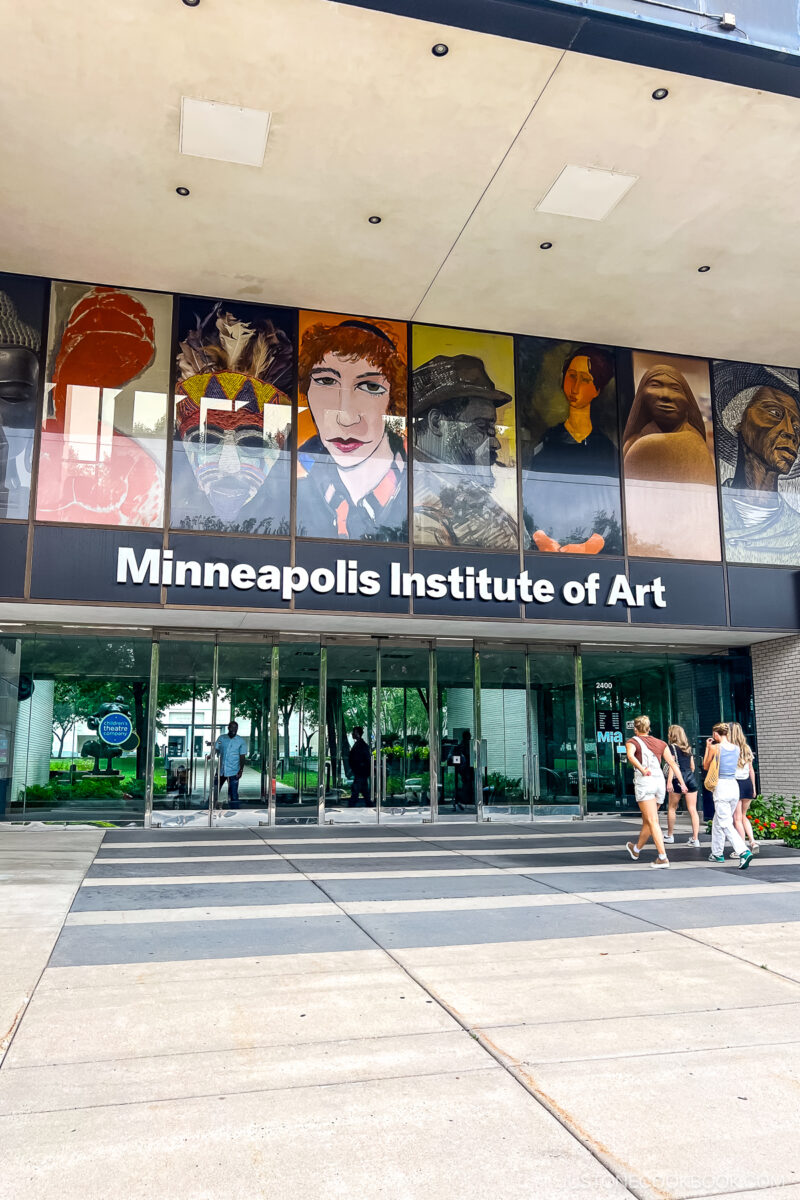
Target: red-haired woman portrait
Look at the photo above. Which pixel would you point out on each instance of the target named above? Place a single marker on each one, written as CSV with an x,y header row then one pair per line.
x,y
353,377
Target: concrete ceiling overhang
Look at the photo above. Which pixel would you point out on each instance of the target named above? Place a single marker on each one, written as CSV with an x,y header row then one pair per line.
x,y
453,153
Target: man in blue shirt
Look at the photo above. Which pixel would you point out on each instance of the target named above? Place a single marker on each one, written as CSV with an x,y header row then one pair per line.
x,y
232,751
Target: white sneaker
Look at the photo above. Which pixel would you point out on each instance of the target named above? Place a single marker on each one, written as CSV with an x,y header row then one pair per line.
x,y
669,838
733,854
660,862
693,842
631,848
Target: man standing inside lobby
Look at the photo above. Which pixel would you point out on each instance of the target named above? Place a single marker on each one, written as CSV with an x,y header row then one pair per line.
x,y
232,751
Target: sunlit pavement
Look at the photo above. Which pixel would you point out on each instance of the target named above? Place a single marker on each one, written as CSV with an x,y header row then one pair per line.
x,y
457,1010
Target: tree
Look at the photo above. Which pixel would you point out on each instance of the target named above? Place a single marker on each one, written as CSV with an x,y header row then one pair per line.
x,y
67,709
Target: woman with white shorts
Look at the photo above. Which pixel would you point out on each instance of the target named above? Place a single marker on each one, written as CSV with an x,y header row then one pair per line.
x,y
644,753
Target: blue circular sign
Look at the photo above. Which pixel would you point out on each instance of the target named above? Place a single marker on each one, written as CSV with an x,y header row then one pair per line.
x,y
115,728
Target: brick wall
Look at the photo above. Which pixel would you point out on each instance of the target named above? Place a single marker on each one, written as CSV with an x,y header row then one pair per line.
x,y
776,688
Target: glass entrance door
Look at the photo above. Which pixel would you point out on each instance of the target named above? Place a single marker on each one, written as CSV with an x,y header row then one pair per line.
x,y
298,742
405,789
243,785
352,733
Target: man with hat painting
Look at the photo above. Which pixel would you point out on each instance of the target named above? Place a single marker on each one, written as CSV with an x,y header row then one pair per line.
x,y
455,452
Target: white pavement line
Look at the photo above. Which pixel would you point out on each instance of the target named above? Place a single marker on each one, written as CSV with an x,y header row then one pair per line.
x,y
152,861
233,912
161,880
687,893
277,843
467,852
460,903
169,842
620,867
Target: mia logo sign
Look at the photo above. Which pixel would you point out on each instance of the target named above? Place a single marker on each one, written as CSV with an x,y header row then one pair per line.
x,y
346,578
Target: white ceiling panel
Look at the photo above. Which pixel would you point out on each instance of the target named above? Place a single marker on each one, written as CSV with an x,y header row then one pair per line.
x,y
365,120
718,172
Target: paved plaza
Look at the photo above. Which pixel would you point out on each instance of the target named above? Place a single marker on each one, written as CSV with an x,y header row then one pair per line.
x,y
505,1011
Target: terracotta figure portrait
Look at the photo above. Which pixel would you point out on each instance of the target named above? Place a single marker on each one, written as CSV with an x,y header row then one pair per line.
x,y
233,416
104,430
351,473
569,449
758,410
668,463
463,422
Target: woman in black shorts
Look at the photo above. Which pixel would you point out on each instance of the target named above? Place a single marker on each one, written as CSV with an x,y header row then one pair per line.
x,y
679,745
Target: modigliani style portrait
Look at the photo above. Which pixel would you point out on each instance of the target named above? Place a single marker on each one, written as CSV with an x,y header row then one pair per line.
x,y
464,439
21,320
566,392
352,460
104,430
668,460
758,442
233,418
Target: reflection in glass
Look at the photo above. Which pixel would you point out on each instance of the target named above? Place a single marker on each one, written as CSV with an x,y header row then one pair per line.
x,y
73,728
352,733
570,457
244,671
297,764
465,491
758,439
353,381
668,461
505,777
233,418
21,303
459,756
104,427
553,765
405,733
184,763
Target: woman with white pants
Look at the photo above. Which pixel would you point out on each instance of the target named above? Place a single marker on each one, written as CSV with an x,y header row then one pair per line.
x,y
726,797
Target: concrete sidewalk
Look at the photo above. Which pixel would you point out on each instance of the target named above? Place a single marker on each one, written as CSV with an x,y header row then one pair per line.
x,y
463,1011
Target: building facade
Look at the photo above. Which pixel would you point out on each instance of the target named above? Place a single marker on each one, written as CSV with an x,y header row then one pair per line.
x,y
490,552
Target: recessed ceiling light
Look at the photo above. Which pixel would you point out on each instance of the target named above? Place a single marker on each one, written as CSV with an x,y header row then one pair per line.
x,y
182,191
439,50
587,192
545,245
660,93
702,270
224,132
374,220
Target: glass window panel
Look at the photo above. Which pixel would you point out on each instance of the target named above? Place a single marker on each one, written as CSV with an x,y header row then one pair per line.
x,y
79,731
554,735
465,481
243,697
105,409
21,320
504,740
405,733
457,759
233,417
297,747
351,705
671,507
353,382
184,732
758,439
567,400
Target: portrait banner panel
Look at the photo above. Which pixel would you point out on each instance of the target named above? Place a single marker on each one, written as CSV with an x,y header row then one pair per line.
x,y
231,449
21,325
105,409
352,476
465,479
671,507
758,440
569,446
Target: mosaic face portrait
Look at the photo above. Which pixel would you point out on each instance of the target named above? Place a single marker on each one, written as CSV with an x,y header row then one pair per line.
x,y
668,460
569,446
353,384
464,439
21,319
104,431
758,445
235,376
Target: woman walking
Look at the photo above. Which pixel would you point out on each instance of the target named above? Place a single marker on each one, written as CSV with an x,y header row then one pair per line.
x,y
726,796
682,752
645,753
746,779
